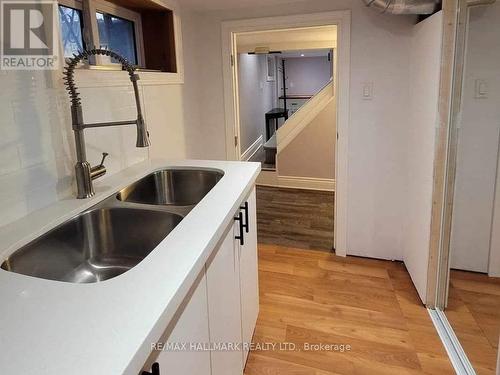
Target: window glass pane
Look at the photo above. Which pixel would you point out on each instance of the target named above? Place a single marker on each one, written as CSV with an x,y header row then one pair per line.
x,y
71,30
118,35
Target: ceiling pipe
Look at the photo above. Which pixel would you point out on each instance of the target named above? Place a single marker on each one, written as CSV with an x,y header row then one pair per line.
x,y
475,3
405,6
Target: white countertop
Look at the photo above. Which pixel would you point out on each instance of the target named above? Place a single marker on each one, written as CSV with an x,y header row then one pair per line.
x,y
106,328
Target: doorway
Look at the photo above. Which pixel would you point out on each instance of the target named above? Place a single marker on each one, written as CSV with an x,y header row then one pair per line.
x,y
231,31
272,88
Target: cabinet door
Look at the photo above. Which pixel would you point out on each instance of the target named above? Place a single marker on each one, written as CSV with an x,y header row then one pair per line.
x,y
190,326
224,309
249,276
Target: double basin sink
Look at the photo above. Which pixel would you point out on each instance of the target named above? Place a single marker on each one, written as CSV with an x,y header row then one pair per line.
x,y
118,233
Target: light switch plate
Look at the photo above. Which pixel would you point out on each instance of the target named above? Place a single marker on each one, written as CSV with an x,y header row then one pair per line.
x,y
481,89
367,91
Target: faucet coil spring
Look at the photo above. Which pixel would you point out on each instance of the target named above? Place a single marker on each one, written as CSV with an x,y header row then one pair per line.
x,y
69,69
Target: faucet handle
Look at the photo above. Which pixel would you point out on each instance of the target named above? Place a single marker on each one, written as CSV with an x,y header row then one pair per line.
x,y
104,156
99,170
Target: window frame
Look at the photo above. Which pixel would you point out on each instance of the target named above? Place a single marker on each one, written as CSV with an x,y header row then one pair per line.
x,y
103,6
129,15
75,4
72,4
96,76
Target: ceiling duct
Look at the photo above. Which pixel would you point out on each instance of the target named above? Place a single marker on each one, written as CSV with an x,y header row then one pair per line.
x,y
404,6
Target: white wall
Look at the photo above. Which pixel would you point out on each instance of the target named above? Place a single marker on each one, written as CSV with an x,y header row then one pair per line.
x,y
478,143
498,360
256,95
37,153
307,75
312,152
425,66
377,129
494,266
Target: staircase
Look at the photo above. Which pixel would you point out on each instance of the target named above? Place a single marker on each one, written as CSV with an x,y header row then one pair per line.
x,y
298,122
300,119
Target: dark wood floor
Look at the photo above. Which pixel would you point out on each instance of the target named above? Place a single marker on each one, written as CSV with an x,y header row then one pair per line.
x,y
295,217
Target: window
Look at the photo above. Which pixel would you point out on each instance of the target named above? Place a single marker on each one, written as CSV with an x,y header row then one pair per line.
x,y
271,68
118,35
71,30
141,31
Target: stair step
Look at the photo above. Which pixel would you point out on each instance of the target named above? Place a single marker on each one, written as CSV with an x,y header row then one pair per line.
x,y
271,143
270,147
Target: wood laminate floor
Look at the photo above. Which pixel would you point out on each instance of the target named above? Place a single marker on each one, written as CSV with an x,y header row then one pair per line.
x,y
317,298
474,313
295,217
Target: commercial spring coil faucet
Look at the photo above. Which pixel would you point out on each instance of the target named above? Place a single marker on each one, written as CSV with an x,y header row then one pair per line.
x,y
84,172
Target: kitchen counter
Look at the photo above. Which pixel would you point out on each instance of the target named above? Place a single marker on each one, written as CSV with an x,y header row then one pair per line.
x,y
106,328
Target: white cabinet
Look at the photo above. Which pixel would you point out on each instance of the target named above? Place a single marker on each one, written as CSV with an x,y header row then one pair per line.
x,y
249,276
190,325
221,308
233,291
223,284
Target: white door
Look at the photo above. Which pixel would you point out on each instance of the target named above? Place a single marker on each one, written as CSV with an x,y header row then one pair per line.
x,y
223,286
477,153
249,276
474,195
191,327
424,77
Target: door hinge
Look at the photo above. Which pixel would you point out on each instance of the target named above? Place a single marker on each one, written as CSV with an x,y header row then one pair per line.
x,y
232,60
337,136
235,141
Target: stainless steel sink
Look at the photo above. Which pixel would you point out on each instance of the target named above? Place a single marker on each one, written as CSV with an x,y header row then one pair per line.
x,y
177,187
117,234
98,244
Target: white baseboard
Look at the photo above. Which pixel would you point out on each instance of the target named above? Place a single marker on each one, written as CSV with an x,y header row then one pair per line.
x,y
254,147
271,178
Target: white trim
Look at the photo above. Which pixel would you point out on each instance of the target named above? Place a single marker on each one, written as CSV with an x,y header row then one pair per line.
x,y
271,178
309,183
102,6
494,261
342,19
254,147
456,353
117,79
109,78
289,46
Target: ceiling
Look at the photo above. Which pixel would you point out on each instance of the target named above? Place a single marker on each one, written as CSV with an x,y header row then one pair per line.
x,y
322,37
208,5
305,53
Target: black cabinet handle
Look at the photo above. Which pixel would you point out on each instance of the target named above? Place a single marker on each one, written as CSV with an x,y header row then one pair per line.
x,y
241,237
155,370
245,207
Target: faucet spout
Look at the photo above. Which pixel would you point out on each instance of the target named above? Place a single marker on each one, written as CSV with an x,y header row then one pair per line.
x,y
142,134
84,172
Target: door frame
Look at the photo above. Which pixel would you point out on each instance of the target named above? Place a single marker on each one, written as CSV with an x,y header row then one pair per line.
x,y
446,147
342,19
